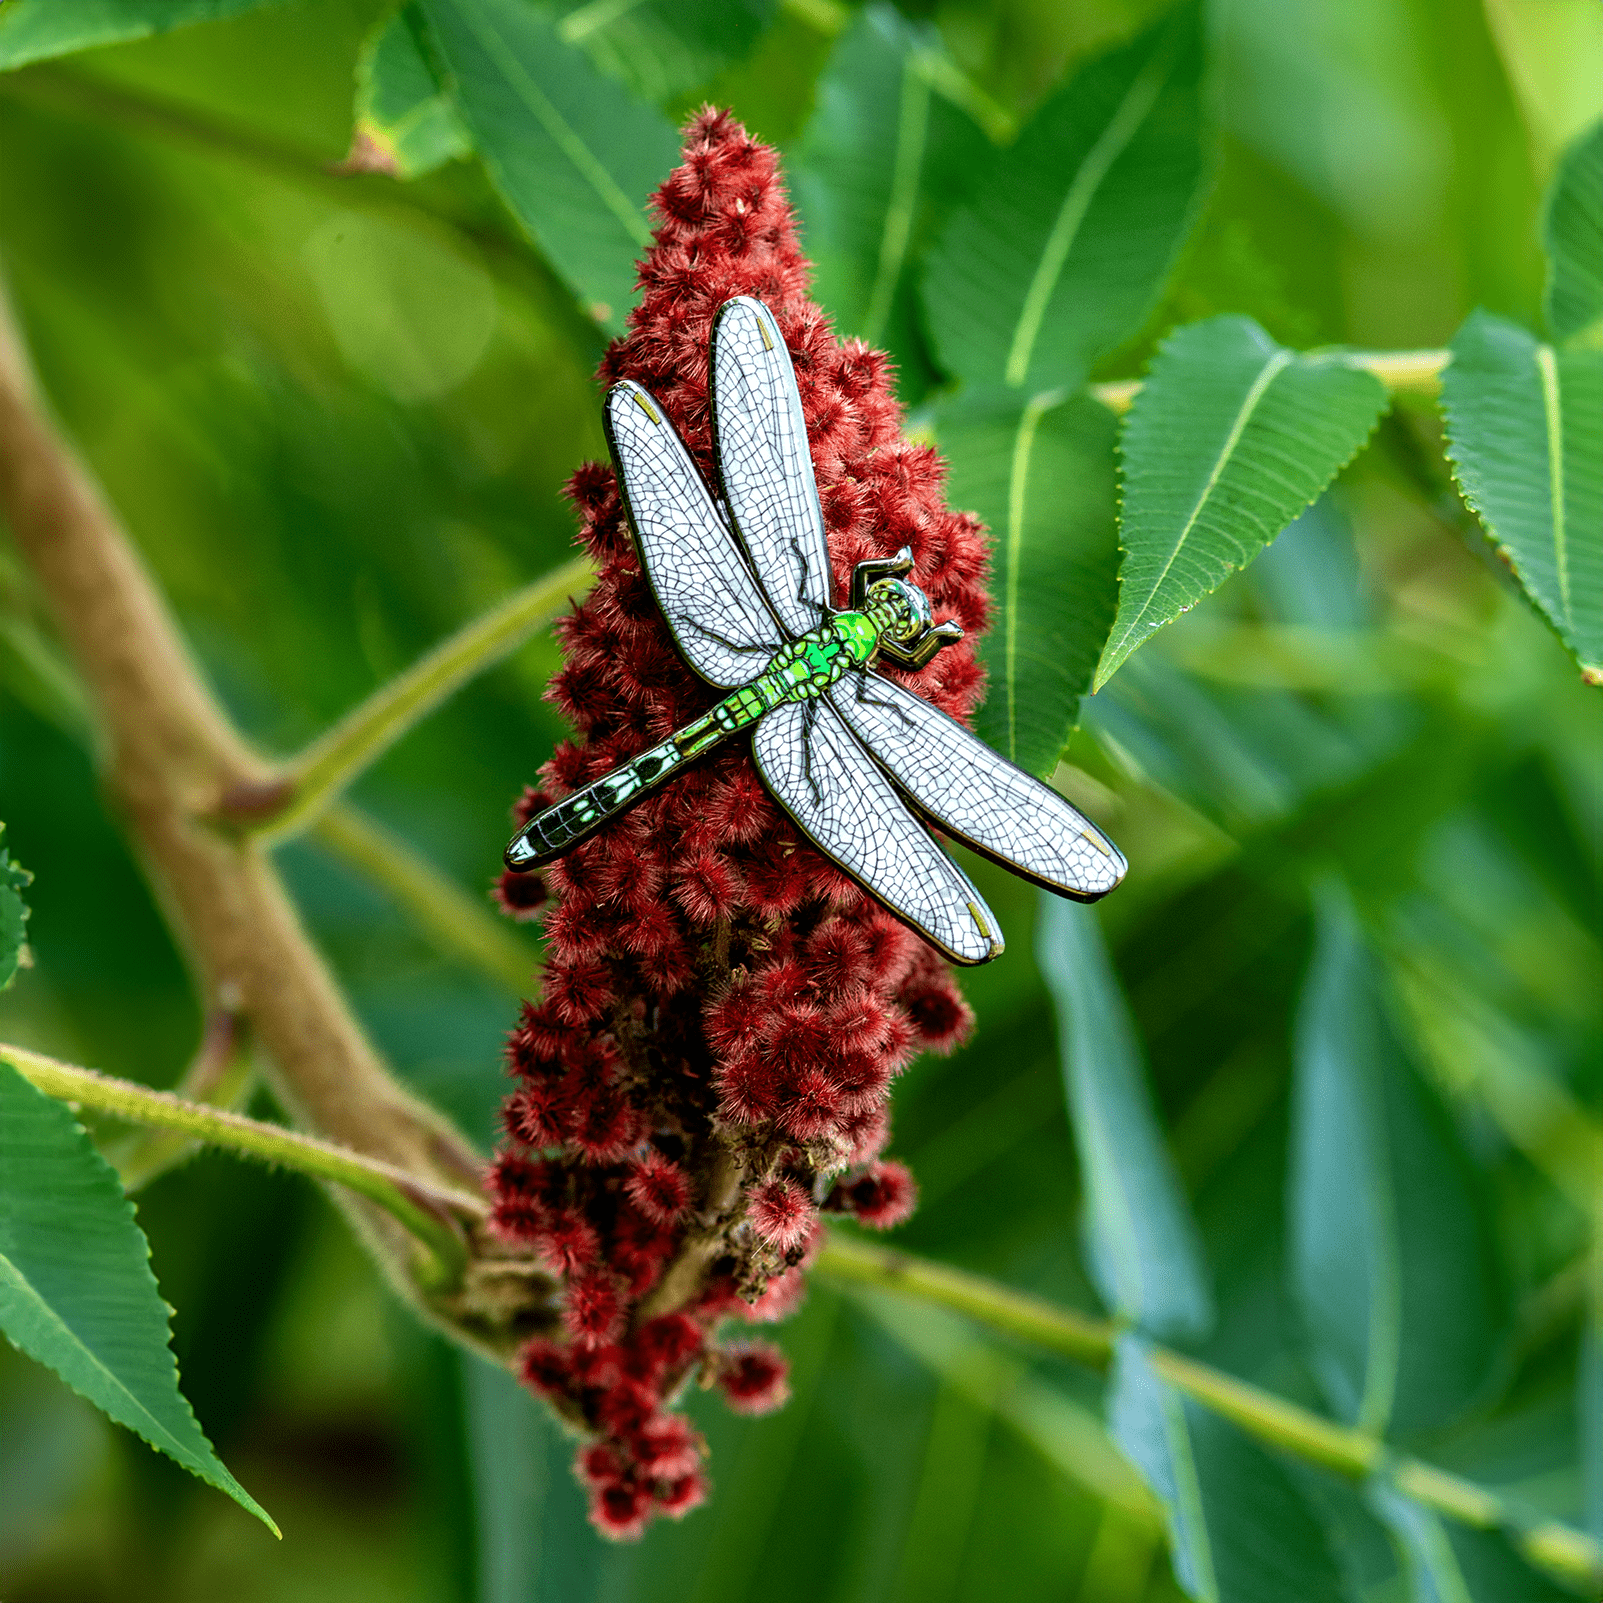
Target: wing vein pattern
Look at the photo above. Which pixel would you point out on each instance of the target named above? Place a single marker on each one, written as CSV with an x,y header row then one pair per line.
x,y
766,465
707,593
976,795
830,786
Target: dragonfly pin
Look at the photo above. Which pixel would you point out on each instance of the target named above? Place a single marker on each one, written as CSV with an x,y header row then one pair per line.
x,y
855,759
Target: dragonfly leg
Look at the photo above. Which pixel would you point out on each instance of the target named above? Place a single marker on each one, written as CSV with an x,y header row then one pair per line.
x,y
809,718
919,655
806,579
865,573
864,680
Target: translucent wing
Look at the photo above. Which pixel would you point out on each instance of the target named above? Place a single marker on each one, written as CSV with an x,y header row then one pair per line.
x,y
975,795
830,786
765,465
702,583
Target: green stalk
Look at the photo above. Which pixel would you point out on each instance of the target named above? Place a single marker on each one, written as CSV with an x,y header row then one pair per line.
x,y
310,782
1402,372
429,1212
1014,1313
220,1075
456,924
1557,1548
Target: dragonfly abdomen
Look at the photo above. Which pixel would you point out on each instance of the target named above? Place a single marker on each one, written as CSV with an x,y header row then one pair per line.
x,y
550,833
799,671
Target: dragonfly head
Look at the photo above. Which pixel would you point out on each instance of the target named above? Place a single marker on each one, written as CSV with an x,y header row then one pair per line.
x,y
911,637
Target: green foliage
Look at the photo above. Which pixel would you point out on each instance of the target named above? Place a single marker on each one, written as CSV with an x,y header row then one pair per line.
x,y
76,1291
1240,1528
14,880
1039,474
1390,1266
400,107
571,154
661,48
1141,1243
1525,435
338,419
878,167
507,1454
1069,235
1450,1563
1572,230
1230,438
36,30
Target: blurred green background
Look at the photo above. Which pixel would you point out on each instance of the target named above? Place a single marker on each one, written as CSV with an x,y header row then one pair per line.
x,y
336,415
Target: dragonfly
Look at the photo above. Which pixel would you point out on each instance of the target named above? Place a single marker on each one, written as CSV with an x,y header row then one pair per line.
x,y
862,765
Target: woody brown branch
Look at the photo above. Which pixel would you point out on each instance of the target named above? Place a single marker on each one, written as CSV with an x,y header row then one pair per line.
x,y
168,755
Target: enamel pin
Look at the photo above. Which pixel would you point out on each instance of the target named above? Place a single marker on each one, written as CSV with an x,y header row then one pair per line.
x,y
855,760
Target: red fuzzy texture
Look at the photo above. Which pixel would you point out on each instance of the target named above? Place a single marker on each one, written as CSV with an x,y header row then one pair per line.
x,y
722,1011
780,1212
754,1377
883,1198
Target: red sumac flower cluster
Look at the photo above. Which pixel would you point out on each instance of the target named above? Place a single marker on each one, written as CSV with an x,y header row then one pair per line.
x,y
722,1011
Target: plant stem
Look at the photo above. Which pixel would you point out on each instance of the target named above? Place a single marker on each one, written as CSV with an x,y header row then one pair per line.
x,y
1014,1313
168,755
219,1076
1557,1548
457,924
1402,372
287,804
685,1275
426,1210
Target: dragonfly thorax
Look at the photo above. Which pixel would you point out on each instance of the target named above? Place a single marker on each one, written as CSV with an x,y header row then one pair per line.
x,y
808,666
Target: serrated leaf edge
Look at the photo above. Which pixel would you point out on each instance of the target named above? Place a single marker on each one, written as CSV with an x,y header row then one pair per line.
x,y
157,1434
1116,653
1553,427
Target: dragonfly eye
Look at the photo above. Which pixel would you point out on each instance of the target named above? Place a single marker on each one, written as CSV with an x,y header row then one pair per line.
x,y
913,616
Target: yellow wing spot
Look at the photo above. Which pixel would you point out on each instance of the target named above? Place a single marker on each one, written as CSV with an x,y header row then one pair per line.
x,y
762,328
1096,841
979,922
646,407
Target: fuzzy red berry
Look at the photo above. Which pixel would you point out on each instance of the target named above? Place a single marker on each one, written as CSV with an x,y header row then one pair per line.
x,y
754,1377
780,1212
883,1198
659,1189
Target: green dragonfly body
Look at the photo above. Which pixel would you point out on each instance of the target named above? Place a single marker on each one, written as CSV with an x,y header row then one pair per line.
x,y
801,670
864,767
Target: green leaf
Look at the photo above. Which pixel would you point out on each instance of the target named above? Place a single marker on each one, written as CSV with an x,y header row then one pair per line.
x,y
1452,1563
661,48
878,166
1230,438
1039,473
1243,757
1144,1252
76,1291
36,30
1589,1412
570,152
1390,1266
405,122
1240,1530
1525,437
506,1443
1572,230
14,879
1064,249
